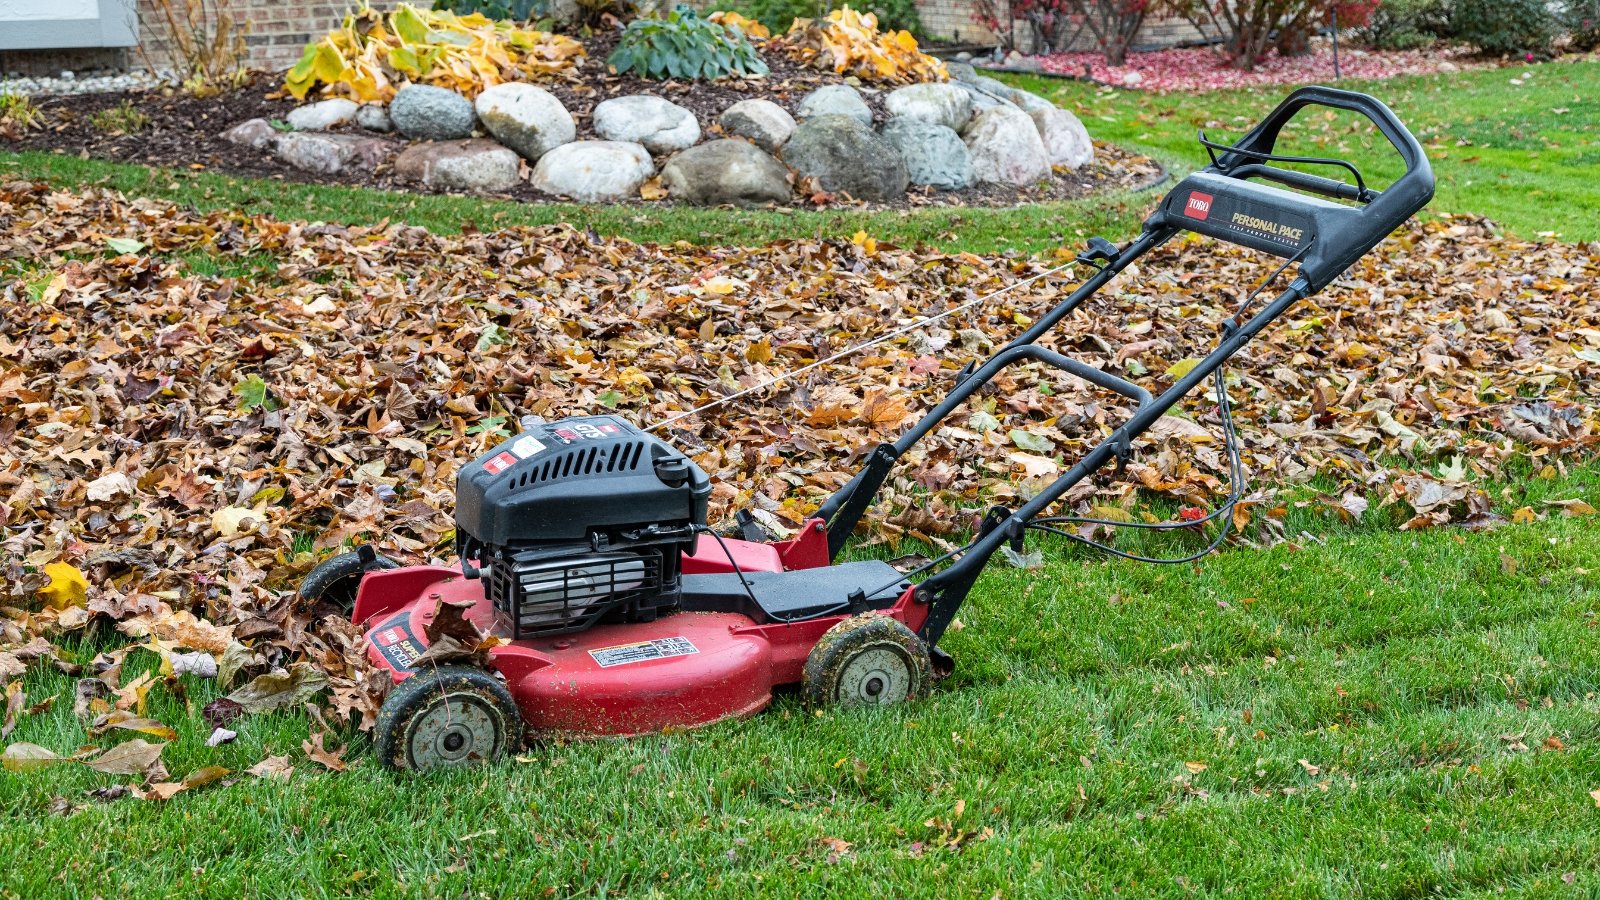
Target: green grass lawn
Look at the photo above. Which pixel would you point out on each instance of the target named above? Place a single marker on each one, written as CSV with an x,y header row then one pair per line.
x,y
1527,156
1373,713
1368,712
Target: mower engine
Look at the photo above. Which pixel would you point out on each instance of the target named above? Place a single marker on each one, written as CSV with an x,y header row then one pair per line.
x,y
579,521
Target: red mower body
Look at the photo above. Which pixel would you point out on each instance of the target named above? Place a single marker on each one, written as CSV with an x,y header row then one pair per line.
x,y
683,670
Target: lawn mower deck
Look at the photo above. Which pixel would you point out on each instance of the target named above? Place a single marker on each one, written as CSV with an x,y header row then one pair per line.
x,y
733,638
583,543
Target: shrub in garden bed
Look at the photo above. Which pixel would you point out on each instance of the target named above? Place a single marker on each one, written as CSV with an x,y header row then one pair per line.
x,y
849,43
683,45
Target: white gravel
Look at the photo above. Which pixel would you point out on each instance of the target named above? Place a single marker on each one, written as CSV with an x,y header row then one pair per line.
x,y
72,83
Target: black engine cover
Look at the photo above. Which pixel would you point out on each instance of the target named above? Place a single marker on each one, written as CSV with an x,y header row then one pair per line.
x,y
564,480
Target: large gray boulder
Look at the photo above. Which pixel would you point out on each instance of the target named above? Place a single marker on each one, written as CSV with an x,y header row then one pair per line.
x,y
1066,141
374,117
934,154
940,103
430,113
257,134
982,100
322,115
835,100
330,154
527,119
729,171
470,165
988,92
762,121
844,155
660,125
1006,147
594,170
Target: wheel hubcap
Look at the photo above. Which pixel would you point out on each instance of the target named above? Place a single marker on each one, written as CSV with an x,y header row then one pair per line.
x,y
875,675
455,730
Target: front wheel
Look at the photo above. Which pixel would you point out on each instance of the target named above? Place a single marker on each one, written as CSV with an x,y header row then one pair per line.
x,y
866,660
445,717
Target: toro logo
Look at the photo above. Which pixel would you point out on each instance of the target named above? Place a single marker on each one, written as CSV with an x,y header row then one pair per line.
x,y
1199,205
499,463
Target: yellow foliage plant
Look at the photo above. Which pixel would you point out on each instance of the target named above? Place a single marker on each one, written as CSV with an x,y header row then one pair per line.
x,y
753,30
371,54
849,43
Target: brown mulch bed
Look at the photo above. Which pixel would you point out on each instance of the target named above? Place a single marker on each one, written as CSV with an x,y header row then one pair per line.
x,y
184,132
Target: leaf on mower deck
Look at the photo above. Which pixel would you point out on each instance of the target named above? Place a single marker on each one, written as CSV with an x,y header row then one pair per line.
x,y
279,689
452,638
27,757
133,757
67,586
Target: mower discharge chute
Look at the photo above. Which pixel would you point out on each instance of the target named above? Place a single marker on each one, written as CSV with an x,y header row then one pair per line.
x,y
583,542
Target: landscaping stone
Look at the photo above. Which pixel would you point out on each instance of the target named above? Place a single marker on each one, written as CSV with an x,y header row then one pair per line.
x,y
762,121
835,100
934,154
594,170
257,134
660,125
942,104
1006,147
330,154
1066,141
842,154
727,171
430,113
322,115
374,117
527,119
475,164
981,99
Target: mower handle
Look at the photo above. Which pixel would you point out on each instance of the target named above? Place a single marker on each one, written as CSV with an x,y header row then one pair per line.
x,y
1264,137
1226,200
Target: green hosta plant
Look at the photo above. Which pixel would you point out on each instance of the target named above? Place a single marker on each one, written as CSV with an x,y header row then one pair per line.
x,y
683,45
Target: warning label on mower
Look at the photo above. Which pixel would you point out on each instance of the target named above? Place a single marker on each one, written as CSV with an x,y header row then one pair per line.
x,y
660,648
395,642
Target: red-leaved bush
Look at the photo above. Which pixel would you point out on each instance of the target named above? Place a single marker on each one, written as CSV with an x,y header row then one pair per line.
x,y
1251,28
1056,25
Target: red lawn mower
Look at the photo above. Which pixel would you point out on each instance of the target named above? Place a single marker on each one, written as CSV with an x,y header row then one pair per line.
x,y
584,543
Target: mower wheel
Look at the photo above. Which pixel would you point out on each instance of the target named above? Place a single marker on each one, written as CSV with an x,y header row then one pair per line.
x,y
866,659
449,716
336,579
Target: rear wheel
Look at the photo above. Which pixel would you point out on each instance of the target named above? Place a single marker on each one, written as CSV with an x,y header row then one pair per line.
x,y
866,660
445,717
336,579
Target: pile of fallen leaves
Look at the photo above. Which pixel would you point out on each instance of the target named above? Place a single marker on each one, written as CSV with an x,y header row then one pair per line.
x,y
849,43
371,54
177,449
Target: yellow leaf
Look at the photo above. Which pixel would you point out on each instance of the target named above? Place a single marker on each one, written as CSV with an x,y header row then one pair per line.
x,y
67,586
229,520
721,285
652,190
1195,767
1524,516
1182,367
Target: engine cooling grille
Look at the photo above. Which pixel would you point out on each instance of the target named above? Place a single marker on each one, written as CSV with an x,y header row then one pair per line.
x,y
541,594
583,461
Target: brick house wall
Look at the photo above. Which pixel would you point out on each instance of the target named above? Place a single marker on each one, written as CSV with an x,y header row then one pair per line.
x,y
278,31
951,20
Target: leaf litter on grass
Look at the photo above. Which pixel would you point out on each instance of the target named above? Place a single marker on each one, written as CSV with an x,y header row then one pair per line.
x,y
136,488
